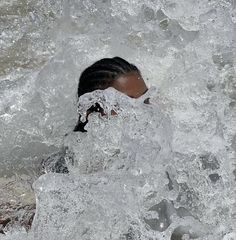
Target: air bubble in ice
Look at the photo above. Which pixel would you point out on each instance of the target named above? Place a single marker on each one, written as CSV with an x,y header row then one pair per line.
x,y
163,221
209,161
214,177
148,13
183,233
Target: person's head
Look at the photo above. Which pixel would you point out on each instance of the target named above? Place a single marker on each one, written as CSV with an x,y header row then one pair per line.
x,y
110,72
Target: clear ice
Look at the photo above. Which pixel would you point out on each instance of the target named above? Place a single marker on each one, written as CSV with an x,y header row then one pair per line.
x,y
164,170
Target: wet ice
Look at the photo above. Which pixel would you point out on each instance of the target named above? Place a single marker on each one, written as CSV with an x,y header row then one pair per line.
x,y
187,49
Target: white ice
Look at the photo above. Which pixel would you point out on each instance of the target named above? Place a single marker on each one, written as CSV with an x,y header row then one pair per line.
x,y
174,177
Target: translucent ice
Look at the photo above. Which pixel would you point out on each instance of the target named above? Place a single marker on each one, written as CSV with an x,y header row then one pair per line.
x,y
187,49
117,187
113,142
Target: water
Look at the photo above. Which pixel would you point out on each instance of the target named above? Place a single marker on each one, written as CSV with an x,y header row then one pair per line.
x,y
173,178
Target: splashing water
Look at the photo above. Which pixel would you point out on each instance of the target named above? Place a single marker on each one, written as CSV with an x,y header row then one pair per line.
x,y
164,170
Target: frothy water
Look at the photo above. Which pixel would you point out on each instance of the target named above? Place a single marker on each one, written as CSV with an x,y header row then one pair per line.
x,y
164,170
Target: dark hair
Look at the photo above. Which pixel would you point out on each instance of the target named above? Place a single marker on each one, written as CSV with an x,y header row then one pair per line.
x,y
101,75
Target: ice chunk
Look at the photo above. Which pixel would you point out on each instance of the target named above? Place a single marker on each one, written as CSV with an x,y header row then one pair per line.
x,y
187,49
113,141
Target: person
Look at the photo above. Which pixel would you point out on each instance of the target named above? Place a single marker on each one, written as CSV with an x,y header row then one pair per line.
x,y
107,72
110,72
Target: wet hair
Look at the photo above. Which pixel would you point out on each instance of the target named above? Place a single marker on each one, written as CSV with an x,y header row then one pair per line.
x,y
101,75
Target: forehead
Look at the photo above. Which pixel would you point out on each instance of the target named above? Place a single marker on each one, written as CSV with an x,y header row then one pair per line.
x,y
131,84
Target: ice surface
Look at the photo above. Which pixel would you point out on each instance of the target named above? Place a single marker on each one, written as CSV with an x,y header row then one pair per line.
x,y
185,48
114,142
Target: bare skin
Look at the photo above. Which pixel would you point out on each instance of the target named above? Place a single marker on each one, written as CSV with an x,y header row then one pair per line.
x,y
131,84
